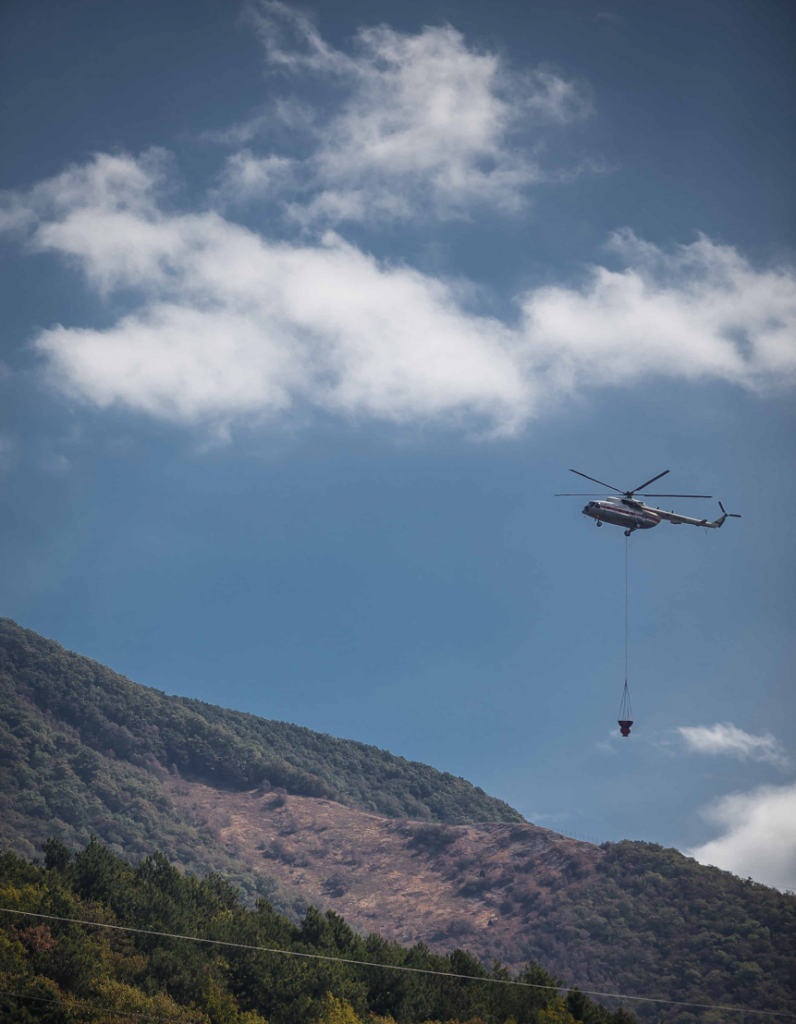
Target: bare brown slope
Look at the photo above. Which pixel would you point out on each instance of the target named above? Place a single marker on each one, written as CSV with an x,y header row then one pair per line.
x,y
469,885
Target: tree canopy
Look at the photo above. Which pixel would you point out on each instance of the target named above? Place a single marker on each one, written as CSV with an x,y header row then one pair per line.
x,y
57,969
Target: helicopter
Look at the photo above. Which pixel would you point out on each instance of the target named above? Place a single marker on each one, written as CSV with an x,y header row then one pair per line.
x,y
624,508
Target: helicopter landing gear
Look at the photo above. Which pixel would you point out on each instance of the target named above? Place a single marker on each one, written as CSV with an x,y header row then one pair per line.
x,y
599,523
628,532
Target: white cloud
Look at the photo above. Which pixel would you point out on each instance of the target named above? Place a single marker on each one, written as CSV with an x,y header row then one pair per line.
x,y
334,206
292,41
109,183
698,312
425,123
235,325
175,362
106,183
727,739
231,324
759,838
246,176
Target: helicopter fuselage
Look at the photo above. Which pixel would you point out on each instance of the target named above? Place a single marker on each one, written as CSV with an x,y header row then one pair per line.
x,y
627,510
632,515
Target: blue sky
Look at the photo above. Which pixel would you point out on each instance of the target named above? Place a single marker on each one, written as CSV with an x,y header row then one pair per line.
x,y
308,311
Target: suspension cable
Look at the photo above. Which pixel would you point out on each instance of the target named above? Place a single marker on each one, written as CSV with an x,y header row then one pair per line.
x,y
627,545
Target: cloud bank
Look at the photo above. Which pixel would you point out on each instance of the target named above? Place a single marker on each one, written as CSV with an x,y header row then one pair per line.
x,y
228,324
415,124
224,324
728,740
758,829
759,838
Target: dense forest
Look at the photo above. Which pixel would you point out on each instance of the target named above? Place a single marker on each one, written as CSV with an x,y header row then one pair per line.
x,y
64,973
109,714
667,926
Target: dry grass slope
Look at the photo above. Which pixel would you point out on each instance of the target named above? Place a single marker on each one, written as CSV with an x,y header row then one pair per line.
x,y
470,885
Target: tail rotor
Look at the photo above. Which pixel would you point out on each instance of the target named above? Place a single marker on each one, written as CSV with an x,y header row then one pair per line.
x,y
725,515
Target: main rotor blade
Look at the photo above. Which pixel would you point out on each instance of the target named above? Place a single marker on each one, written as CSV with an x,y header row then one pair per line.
x,y
649,482
602,483
647,495
569,495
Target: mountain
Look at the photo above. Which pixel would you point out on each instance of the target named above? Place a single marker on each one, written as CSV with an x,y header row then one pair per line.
x,y
394,846
84,750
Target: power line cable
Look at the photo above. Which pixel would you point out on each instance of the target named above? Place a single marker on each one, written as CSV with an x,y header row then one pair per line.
x,y
393,967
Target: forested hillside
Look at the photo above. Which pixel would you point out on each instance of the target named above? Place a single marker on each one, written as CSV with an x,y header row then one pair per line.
x,y
288,814
83,749
65,973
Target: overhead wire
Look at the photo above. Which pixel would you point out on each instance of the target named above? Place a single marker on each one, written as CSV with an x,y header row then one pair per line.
x,y
393,967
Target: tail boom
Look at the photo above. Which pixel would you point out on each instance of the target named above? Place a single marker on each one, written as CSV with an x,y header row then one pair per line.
x,y
675,519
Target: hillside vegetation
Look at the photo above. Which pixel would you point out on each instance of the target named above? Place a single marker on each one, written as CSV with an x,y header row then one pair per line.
x,y
628,917
395,847
83,749
55,968
669,927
